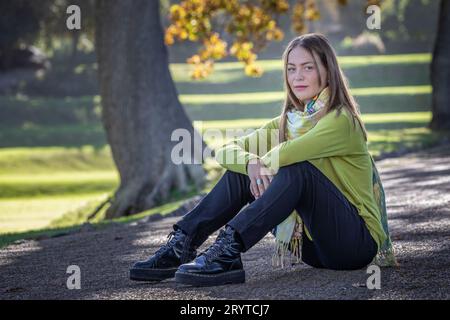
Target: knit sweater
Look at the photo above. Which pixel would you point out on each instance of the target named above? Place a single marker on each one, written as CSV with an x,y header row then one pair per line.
x,y
334,145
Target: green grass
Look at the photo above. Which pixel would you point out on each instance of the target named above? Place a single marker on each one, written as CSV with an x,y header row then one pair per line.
x,y
26,111
55,165
420,117
277,96
54,160
35,135
362,71
73,219
46,184
344,61
18,214
387,141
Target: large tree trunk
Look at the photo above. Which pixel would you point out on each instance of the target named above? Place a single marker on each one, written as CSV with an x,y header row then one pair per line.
x,y
440,71
140,106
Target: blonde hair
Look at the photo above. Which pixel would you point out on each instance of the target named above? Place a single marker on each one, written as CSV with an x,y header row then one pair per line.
x,y
340,96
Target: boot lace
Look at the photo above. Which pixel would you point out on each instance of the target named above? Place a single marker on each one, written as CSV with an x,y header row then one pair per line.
x,y
172,237
217,248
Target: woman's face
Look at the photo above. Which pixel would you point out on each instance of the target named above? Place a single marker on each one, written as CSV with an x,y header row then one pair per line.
x,y
303,76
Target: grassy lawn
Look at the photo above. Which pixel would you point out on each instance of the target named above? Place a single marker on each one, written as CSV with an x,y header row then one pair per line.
x,y
55,165
19,214
70,221
54,184
54,160
277,96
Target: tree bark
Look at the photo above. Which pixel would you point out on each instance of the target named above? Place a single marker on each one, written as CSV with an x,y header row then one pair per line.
x,y
140,106
440,71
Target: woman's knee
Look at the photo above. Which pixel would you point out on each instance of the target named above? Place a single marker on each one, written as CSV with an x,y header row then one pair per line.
x,y
302,165
229,173
294,169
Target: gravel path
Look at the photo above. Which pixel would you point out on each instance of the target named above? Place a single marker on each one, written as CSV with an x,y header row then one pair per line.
x,y
418,198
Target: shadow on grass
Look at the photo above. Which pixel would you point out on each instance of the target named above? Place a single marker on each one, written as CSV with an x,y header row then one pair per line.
x,y
51,136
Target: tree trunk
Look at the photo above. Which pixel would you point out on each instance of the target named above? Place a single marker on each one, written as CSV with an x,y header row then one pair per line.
x,y
440,71
140,106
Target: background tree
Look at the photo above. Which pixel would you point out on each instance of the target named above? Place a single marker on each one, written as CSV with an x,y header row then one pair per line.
x,y
52,29
440,71
140,106
24,22
20,23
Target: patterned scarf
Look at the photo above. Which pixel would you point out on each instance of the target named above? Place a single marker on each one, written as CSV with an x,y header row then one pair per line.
x,y
288,234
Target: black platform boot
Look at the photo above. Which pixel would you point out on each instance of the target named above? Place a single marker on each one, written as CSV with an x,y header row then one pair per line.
x,y
165,262
220,264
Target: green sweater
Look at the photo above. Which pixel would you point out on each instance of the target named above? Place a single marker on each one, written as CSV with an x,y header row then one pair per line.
x,y
333,145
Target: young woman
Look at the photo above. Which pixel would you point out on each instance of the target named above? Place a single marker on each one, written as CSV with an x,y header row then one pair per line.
x,y
314,188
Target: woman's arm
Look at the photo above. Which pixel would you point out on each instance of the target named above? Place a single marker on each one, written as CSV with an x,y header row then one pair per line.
x,y
236,154
331,136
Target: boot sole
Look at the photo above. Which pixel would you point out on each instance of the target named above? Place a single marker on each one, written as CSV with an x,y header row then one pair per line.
x,y
202,280
138,274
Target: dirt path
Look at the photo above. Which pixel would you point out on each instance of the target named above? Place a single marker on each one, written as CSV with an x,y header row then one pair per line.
x,y
418,198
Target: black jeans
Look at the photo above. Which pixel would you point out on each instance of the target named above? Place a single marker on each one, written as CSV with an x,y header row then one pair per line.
x,y
341,240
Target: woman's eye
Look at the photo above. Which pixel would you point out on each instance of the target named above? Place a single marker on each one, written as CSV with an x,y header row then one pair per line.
x,y
308,67
290,69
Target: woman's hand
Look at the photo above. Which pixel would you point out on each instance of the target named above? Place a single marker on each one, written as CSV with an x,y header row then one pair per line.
x,y
260,177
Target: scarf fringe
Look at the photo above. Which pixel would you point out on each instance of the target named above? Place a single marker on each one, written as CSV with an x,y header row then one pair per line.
x,y
287,253
386,258
284,255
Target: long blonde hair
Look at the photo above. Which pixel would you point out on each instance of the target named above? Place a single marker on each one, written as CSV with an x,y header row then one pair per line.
x,y
340,96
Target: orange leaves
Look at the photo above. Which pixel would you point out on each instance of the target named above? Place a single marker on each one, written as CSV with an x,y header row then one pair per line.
x,y
190,21
279,6
276,34
304,10
252,70
195,59
177,12
243,51
312,13
298,20
169,35
273,32
372,2
214,48
201,68
251,23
